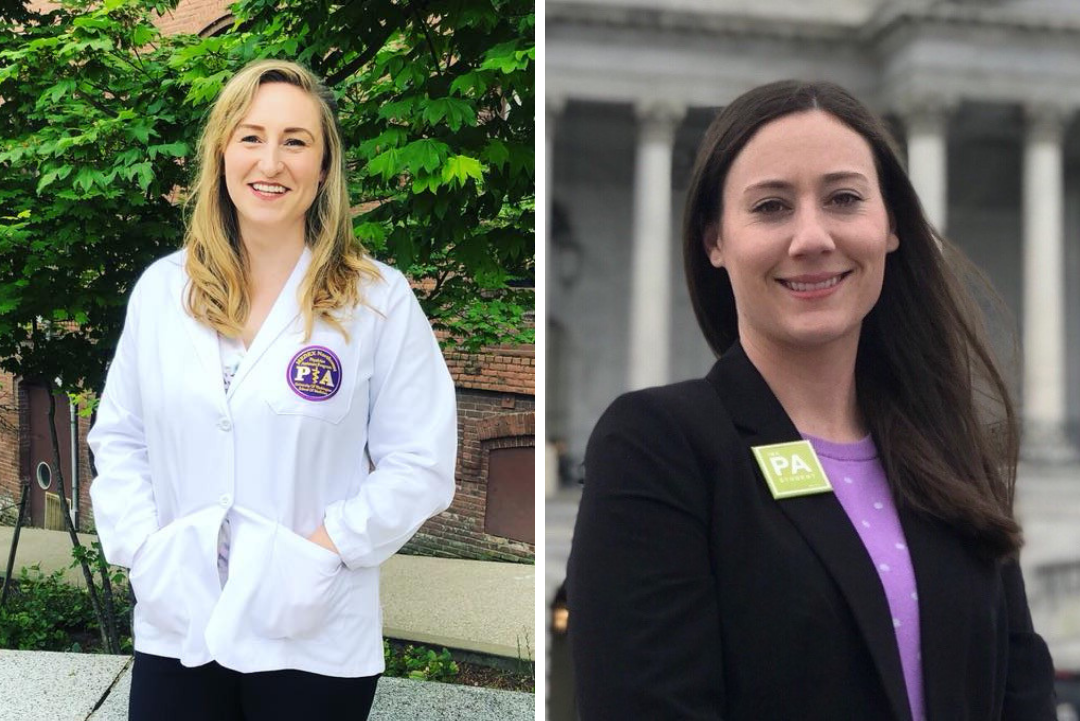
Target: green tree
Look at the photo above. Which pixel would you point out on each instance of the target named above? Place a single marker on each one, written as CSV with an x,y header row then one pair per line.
x,y
437,110
100,118
99,123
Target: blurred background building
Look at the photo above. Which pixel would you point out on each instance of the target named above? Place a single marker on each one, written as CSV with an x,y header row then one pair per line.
x,y
982,95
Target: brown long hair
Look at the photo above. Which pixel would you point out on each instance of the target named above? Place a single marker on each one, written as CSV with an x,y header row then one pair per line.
x,y
926,379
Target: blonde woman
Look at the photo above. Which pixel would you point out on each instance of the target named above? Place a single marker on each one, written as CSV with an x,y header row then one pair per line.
x,y
277,421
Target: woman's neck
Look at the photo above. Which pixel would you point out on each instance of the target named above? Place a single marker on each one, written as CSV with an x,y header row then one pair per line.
x,y
271,256
816,386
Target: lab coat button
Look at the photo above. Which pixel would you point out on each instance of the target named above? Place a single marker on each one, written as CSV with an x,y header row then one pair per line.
x,y
225,500
225,424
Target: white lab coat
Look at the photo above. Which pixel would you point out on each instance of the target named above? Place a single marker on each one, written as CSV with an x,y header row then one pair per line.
x,y
175,453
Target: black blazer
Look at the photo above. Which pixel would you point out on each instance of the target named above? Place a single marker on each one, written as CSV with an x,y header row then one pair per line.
x,y
694,594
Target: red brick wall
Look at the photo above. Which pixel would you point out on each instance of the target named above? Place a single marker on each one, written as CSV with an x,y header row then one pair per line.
x,y
189,16
193,17
504,369
9,448
86,512
486,420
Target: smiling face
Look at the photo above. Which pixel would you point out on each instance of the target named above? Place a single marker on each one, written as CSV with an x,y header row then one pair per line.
x,y
804,233
273,160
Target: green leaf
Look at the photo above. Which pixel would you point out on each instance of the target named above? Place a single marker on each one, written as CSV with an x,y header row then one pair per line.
x,y
424,155
62,88
140,132
398,109
370,232
85,178
47,179
454,111
497,153
179,149
427,182
386,164
459,168
142,35
470,84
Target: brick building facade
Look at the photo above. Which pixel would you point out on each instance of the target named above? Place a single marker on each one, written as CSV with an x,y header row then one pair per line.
x,y
25,444
9,447
496,414
493,511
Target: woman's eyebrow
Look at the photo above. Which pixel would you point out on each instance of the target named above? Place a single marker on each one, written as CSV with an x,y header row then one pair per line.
x,y
252,126
845,175
777,184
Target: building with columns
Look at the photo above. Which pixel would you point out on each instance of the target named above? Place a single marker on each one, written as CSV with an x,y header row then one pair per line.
x,y
983,95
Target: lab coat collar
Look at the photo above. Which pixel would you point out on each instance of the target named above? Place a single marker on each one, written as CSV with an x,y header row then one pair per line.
x,y
761,420
285,310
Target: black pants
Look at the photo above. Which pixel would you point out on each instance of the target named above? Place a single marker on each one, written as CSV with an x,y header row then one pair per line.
x,y
164,690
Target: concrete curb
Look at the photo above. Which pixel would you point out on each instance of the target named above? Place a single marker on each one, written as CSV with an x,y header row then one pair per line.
x,y
46,686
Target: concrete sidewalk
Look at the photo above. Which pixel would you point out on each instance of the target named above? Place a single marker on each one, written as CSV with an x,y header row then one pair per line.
x,y
477,606
42,686
474,606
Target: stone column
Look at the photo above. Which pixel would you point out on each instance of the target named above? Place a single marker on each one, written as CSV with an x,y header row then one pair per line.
x,y
1044,411
553,108
927,122
650,281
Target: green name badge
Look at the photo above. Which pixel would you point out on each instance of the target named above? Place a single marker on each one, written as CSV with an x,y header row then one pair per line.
x,y
792,469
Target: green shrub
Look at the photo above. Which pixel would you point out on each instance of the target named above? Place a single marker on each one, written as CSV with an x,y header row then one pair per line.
x,y
419,662
44,613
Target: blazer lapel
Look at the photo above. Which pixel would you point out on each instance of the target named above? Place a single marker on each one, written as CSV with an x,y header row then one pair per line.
x,y
936,559
285,310
761,420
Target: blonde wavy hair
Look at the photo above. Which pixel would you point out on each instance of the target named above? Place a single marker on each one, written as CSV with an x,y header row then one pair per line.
x,y
216,260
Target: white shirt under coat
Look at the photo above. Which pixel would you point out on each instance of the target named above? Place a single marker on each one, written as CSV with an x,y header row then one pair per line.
x,y
175,453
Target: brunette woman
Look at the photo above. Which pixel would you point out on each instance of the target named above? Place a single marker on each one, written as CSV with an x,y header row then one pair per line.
x,y
822,528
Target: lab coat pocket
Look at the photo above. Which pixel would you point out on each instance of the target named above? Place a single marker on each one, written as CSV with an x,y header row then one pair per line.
x,y
157,575
301,584
316,384
331,410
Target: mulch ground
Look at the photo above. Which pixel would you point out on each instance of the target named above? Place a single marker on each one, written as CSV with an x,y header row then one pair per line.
x,y
472,674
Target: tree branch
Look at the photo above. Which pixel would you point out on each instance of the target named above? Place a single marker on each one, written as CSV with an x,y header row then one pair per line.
x,y
427,35
376,44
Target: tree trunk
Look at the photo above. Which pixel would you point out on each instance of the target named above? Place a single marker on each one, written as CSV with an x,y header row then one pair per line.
x,y
108,636
24,496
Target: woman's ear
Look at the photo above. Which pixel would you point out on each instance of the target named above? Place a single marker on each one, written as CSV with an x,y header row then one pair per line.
x,y
710,239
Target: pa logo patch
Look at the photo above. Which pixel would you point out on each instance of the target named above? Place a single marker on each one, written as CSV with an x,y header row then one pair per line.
x,y
314,373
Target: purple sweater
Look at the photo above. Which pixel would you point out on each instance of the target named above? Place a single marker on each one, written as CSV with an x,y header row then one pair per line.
x,y
860,485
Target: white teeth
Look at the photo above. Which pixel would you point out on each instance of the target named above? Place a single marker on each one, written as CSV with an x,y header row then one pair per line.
x,y
802,287
263,188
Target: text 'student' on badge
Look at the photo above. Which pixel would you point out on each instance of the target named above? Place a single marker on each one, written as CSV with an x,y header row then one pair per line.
x,y
314,373
792,469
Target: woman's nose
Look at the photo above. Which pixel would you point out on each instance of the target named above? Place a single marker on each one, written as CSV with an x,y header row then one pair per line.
x,y
270,160
810,233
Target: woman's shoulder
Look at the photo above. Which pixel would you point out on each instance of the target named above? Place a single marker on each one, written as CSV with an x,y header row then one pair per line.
x,y
387,283
683,402
664,441
688,413
160,278
170,265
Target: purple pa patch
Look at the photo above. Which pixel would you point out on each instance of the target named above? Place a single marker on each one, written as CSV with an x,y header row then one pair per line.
x,y
314,373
